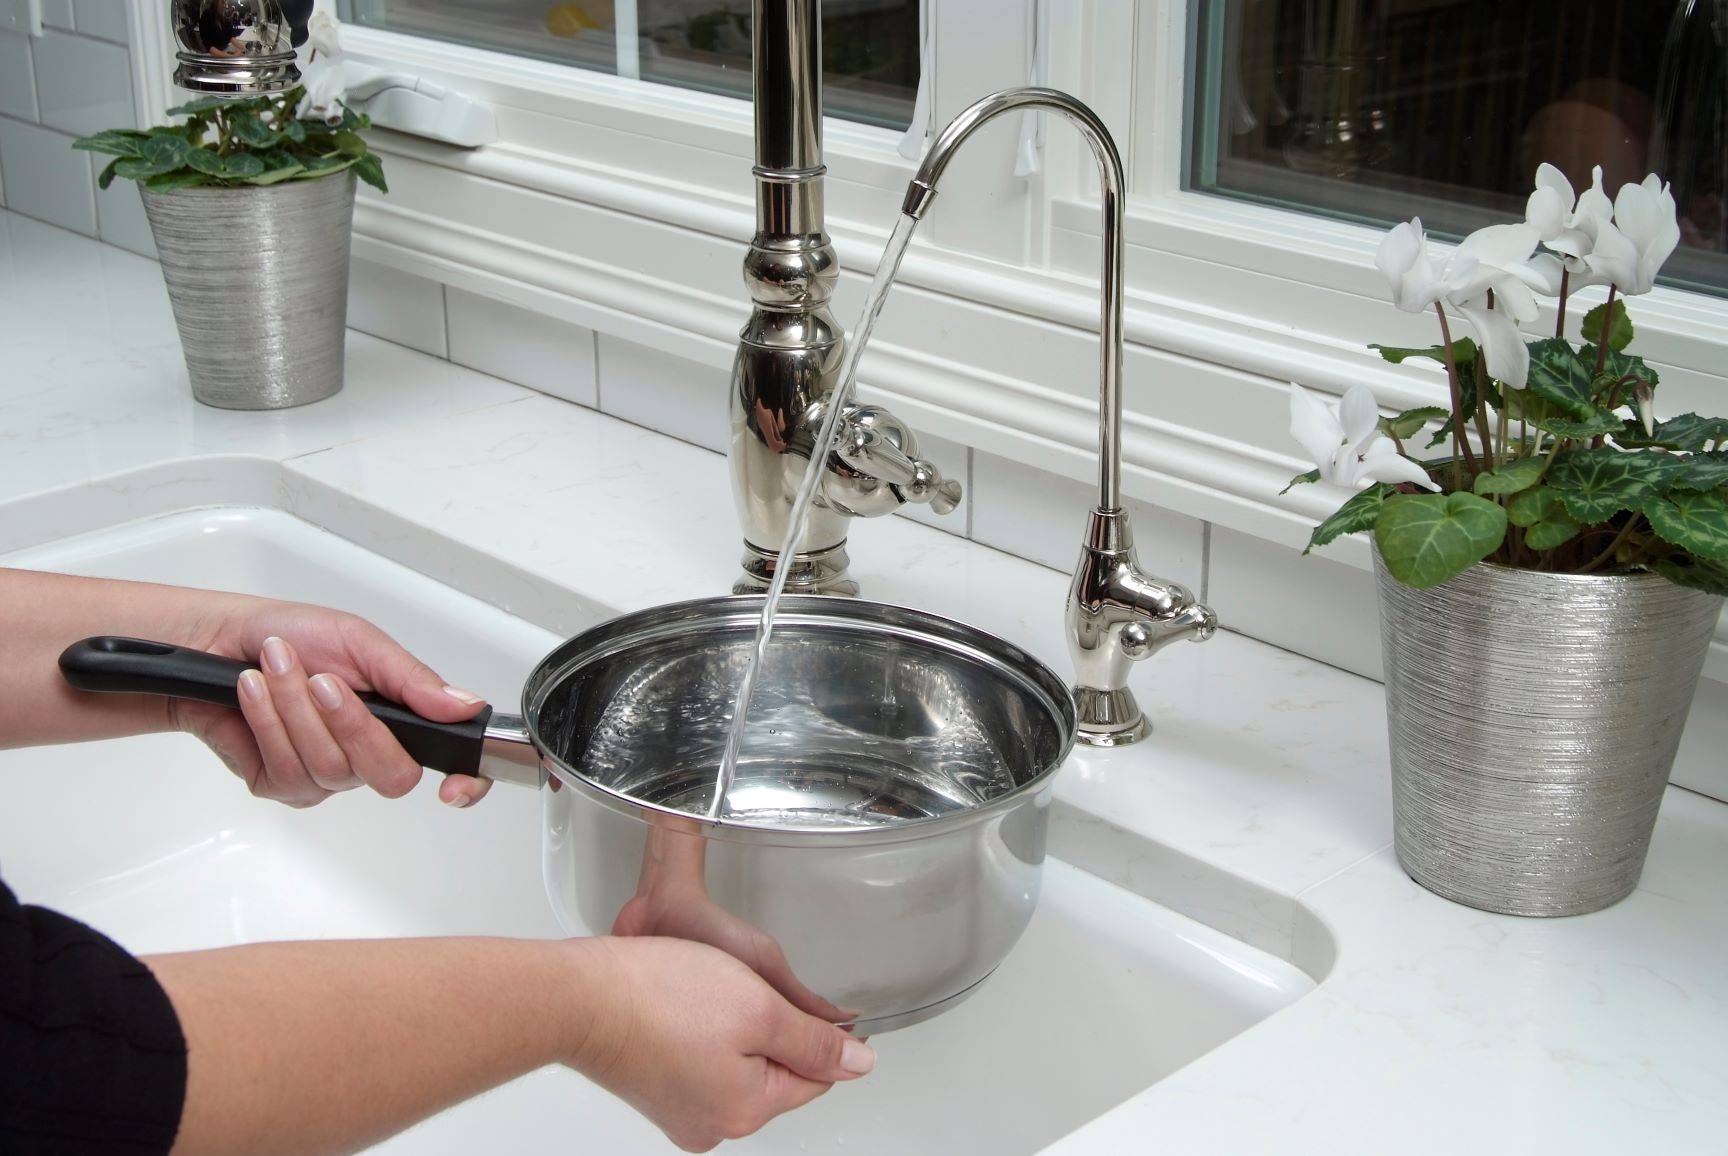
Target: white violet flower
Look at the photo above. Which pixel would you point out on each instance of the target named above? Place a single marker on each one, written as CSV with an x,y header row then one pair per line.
x,y
1630,252
1490,259
324,34
324,92
1346,442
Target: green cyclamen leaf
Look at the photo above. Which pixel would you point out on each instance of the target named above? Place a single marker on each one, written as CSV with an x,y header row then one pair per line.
x,y
116,142
164,150
1601,422
240,166
1426,539
178,179
1359,513
1463,350
207,161
1619,329
1561,378
1409,423
254,132
1301,480
370,169
1687,432
1512,477
1598,483
1549,533
1697,523
1700,471
1533,506
106,177
1705,576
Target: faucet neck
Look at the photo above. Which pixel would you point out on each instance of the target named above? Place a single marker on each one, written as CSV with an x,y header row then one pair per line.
x,y
1111,180
787,67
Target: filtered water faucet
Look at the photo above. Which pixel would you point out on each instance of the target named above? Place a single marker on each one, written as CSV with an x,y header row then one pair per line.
x,y
1117,612
789,352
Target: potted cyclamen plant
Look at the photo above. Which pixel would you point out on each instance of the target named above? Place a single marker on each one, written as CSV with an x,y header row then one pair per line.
x,y
251,202
1550,583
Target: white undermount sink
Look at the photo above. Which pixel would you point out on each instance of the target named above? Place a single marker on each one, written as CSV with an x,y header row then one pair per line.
x,y
152,841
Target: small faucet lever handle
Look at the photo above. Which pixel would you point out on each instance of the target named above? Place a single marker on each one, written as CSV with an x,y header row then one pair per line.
x,y
868,450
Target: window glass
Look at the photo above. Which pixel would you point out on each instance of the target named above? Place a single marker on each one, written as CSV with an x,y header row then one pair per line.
x,y
1379,110
869,47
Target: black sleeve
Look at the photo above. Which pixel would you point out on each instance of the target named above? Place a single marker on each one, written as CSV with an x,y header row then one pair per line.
x,y
92,1059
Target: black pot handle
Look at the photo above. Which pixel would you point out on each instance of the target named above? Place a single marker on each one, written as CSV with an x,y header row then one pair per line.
x,y
132,665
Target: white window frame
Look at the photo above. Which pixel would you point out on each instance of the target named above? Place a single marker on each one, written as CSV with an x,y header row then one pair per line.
x,y
625,206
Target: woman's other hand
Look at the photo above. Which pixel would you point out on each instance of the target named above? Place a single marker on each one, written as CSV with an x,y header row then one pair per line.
x,y
701,1045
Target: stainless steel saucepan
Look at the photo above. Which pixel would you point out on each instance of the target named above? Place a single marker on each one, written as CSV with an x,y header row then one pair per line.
x,y
883,840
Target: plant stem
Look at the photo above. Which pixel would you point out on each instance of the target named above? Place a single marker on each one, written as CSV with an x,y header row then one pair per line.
x,y
1625,533
1460,442
1560,317
1482,410
1607,324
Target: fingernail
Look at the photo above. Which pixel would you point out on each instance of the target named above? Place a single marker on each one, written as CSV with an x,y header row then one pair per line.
x,y
463,696
857,1057
276,655
325,690
251,686
458,802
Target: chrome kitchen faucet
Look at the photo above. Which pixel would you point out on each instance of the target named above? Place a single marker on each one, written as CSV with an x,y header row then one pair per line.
x,y
789,353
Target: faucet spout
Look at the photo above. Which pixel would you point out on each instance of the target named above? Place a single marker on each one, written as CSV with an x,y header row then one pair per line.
x,y
1117,612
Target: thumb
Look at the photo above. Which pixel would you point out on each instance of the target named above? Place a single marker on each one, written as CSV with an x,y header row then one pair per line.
x,y
817,1050
394,673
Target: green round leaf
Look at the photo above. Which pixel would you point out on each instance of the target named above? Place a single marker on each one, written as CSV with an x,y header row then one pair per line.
x,y
1512,477
1619,328
1426,539
1697,523
1598,483
1359,513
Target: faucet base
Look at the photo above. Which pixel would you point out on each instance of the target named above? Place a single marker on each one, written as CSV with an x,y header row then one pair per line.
x,y
818,572
1109,718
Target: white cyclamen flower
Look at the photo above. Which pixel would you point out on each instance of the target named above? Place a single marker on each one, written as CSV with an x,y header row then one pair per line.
x,y
1492,259
324,34
1645,232
1346,442
324,92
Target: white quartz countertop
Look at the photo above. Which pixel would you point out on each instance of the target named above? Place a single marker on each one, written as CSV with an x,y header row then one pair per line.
x,y
1261,806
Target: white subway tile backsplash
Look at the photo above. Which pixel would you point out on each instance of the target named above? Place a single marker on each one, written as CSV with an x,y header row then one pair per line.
x,y
83,86
120,218
45,179
1327,610
17,77
1041,516
397,306
103,18
684,399
58,13
522,346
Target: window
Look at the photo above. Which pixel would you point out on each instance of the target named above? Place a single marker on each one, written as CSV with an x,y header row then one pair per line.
x,y
870,47
1378,110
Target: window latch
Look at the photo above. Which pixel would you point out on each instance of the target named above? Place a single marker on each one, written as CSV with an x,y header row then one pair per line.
x,y
415,105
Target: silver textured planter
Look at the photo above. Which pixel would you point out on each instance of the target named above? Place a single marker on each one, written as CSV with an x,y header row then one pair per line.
x,y
1534,719
258,277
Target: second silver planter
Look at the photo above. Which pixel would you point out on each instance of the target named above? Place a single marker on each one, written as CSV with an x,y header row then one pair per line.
x,y
1534,718
258,277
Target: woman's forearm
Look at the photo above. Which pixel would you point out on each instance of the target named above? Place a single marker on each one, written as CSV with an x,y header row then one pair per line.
x,y
300,1048
41,614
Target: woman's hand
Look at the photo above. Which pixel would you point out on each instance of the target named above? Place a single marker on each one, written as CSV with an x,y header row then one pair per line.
x,y
302,734
701,1045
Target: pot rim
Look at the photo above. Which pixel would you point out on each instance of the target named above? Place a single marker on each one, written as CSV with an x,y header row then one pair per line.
x,y
1628,577
282,188
605,640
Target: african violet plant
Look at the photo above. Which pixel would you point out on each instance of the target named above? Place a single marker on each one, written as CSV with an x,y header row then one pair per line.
x,y
1553,459
304,133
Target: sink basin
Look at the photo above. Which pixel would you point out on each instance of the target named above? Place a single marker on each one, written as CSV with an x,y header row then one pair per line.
x,y
152,841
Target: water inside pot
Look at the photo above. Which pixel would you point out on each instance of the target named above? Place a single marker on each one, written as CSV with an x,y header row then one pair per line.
x,y
851,727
